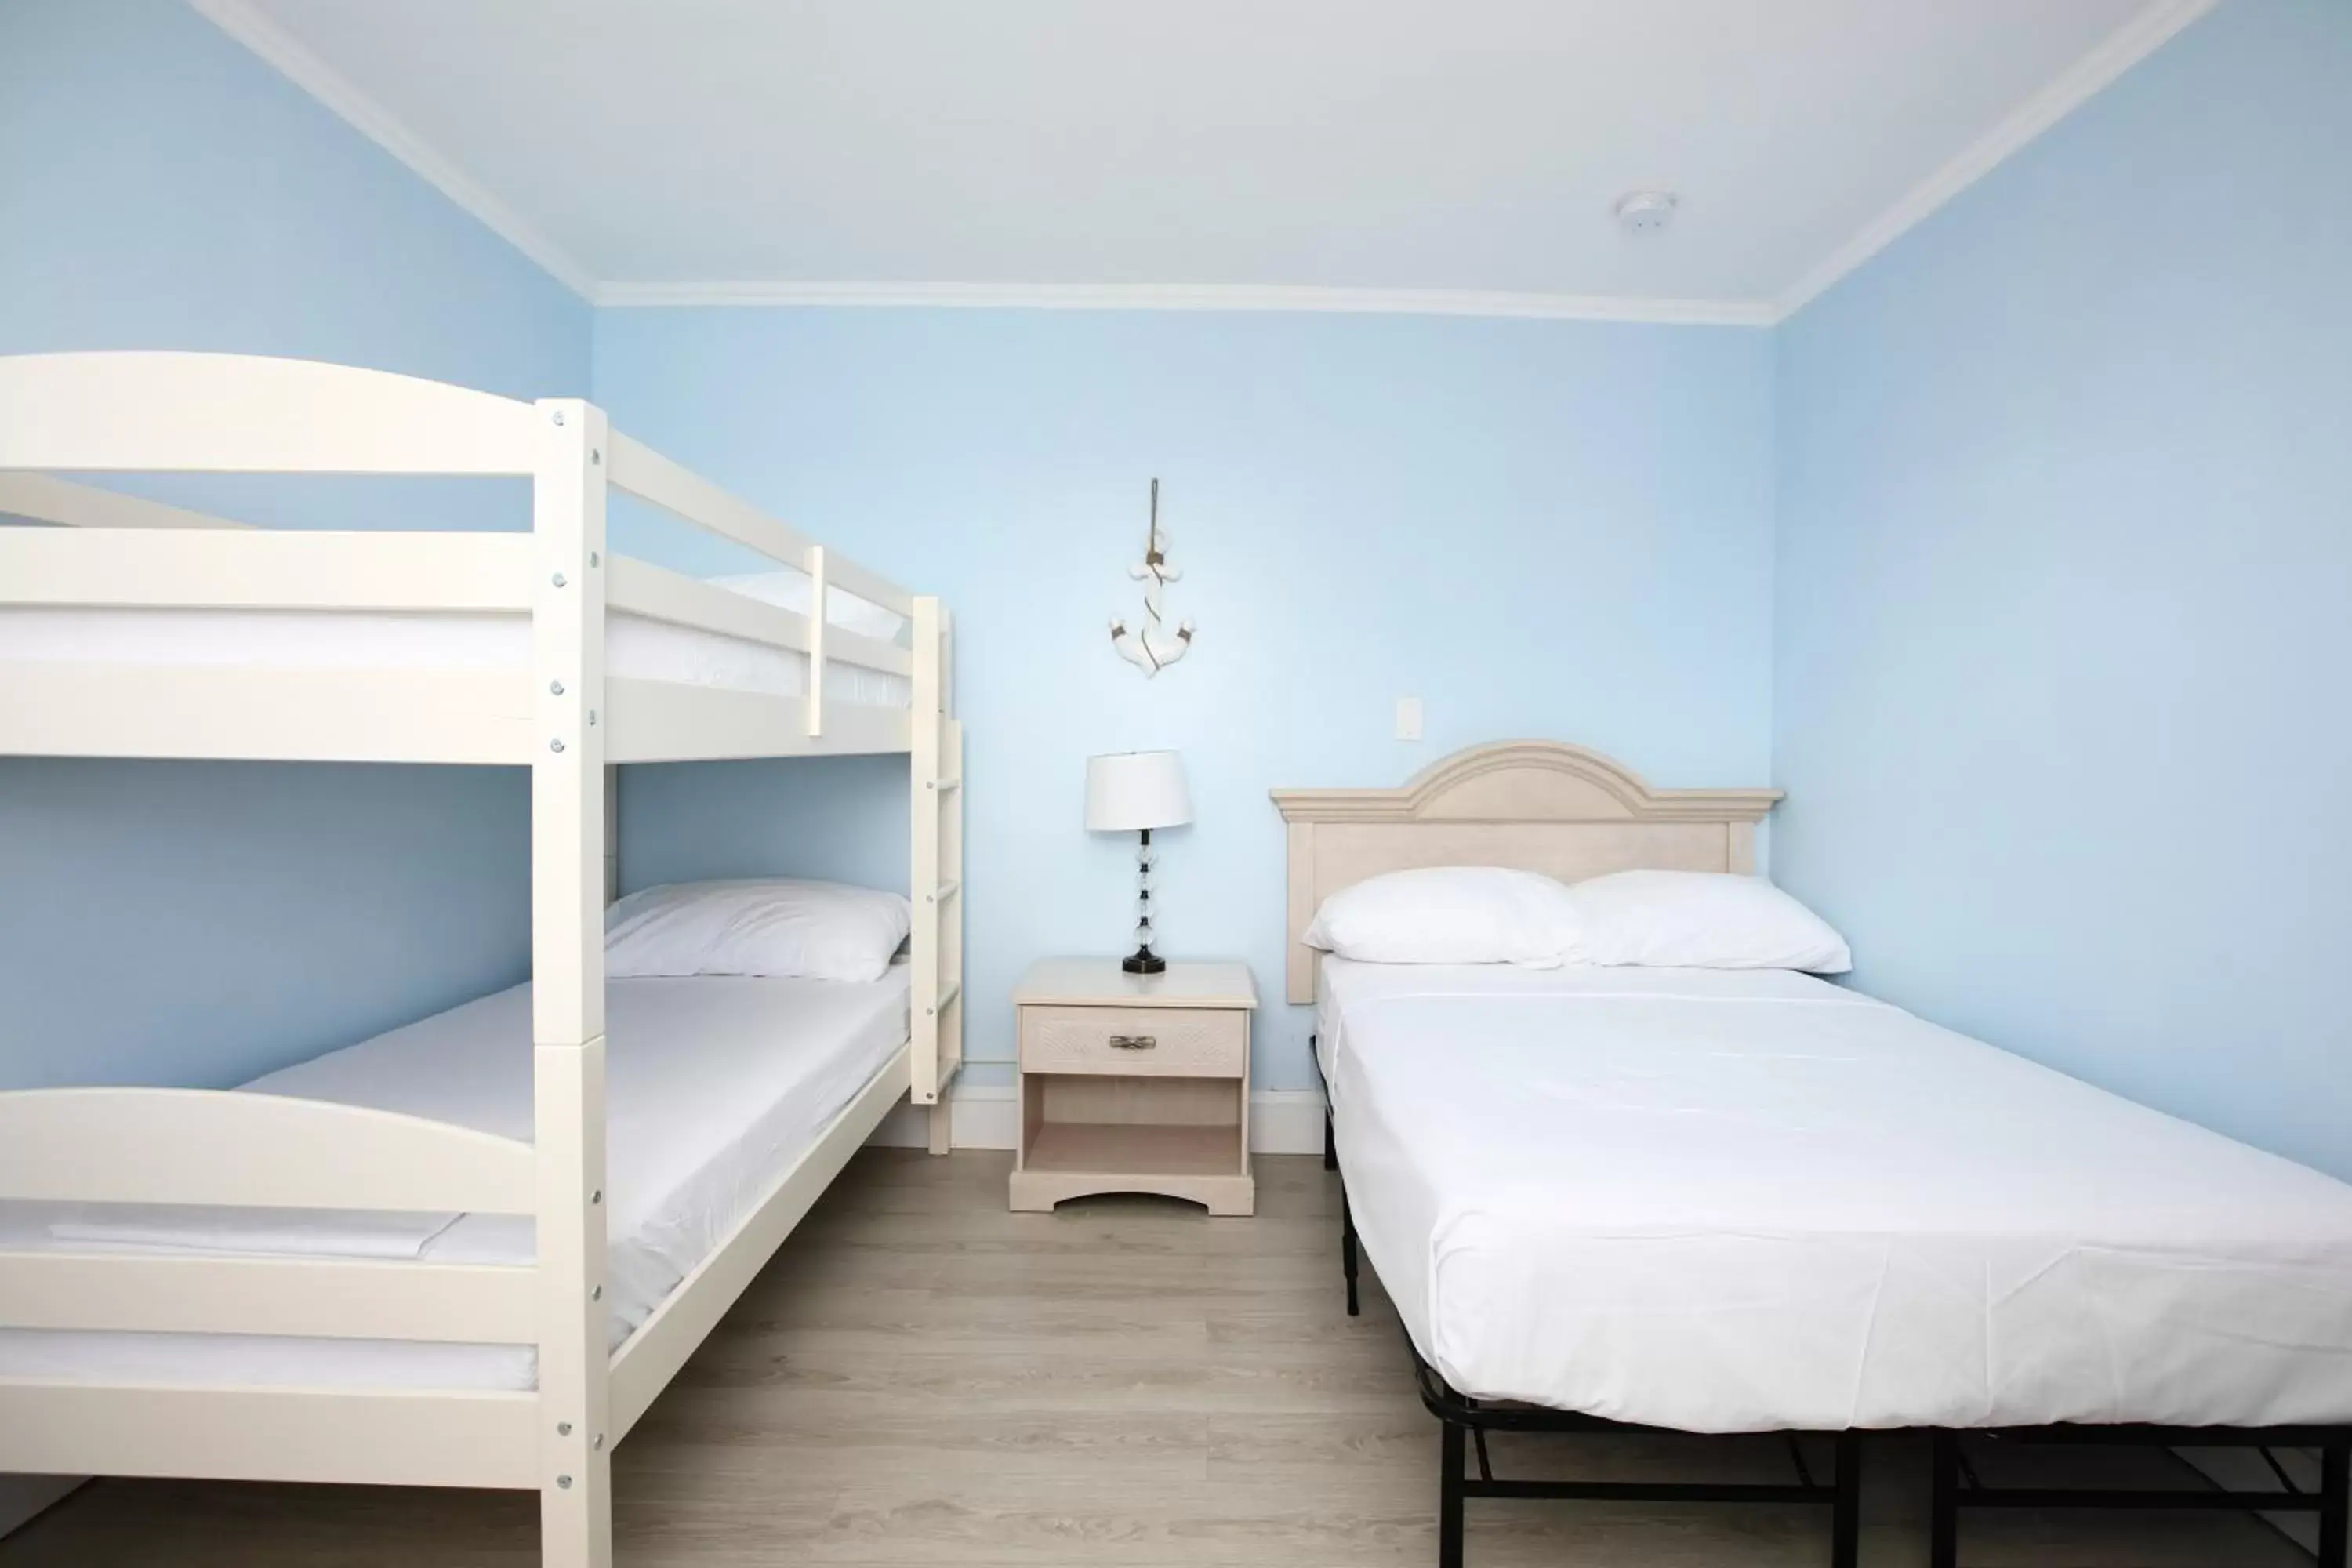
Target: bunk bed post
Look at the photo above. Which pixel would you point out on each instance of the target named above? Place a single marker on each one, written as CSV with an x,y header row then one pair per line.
x,y
934,872
567,931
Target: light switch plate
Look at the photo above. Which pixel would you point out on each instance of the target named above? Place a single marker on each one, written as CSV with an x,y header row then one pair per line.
x,y
1408,721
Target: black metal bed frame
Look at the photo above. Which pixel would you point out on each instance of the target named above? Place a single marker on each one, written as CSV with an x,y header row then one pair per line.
x,y
1954,1482
1463,1423
1955,1485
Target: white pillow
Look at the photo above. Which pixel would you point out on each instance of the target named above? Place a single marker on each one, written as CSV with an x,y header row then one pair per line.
x,y
771,926
1449,914
1702,920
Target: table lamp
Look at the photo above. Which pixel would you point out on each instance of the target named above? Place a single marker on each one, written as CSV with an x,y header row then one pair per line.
x,y
1135,792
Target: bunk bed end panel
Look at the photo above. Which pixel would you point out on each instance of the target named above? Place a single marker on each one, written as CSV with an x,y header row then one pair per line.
x,y
234,568
216,413
262,712
360,1437
307,1298
70,708
230,1149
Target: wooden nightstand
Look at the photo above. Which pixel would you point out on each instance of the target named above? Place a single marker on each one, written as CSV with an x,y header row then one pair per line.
x,y
1134,1083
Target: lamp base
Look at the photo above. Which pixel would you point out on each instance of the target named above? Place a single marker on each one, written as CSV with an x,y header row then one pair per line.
x,y
1143,960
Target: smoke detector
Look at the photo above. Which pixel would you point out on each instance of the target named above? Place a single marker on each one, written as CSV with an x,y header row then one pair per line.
x,y
1644,212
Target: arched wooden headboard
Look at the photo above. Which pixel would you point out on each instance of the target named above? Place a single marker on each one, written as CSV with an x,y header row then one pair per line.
x,y
1540,805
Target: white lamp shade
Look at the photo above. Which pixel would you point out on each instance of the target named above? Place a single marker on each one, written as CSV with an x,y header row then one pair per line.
x,y
1127,791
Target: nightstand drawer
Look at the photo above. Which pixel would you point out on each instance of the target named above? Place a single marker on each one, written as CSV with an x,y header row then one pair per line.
x,y
1136,1042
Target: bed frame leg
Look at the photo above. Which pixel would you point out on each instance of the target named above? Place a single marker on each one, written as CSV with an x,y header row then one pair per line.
x,y
941,1119
575,1524
1449,1495
1845,1513
1330,1145
1348,1253
2336,1502
1944,1502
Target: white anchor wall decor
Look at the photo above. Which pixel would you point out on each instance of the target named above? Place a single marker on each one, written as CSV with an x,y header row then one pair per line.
x,y
1151,646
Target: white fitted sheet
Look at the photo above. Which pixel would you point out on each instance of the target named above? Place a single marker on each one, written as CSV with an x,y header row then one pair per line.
x,y
634,648
714,1087
1732,1202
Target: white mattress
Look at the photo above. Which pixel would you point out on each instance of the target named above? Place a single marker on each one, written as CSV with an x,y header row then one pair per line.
x,y
634,648
715,1086
1731,1202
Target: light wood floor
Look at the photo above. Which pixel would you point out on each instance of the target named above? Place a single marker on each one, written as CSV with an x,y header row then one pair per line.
x,y
923,1378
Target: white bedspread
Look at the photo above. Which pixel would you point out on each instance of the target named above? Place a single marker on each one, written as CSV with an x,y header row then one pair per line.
x,y
1729,1202
714,1086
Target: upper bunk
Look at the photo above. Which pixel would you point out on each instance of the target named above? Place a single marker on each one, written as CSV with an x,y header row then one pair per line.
x,y
142,629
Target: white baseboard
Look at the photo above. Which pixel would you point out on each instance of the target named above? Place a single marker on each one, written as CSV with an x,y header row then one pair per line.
x,y
981,1116
1286,1122
22,1497
988,1116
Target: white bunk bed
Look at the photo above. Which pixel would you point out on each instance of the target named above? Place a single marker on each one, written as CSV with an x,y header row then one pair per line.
x,y
144,630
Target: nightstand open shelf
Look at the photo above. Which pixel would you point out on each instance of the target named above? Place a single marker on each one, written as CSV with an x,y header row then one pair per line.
x,y
1108,1148
1135,1084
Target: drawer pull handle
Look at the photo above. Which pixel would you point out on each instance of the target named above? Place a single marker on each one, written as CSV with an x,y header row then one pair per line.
x,y
1134,1042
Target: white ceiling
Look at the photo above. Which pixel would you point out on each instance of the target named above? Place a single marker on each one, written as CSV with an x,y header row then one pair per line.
x,y
1379,153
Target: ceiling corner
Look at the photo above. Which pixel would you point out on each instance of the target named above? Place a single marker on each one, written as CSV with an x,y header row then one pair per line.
x,y
2123,48
246,22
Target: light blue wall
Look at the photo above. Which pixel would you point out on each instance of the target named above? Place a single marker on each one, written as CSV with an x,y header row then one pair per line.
x,y
2065,543
195,922
1539,529
2064,518
163,188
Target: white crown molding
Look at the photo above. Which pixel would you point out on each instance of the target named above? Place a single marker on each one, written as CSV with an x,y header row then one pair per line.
x,y
245,23
1197,296
2123,48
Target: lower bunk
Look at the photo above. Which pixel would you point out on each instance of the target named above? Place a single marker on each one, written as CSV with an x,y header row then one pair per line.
x,y
731,1102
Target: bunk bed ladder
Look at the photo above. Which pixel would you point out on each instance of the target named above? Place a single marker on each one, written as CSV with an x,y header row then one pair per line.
x,y
935,764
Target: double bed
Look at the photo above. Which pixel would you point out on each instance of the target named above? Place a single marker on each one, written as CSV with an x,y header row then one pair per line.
x,y
1721,1201
1728,1201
